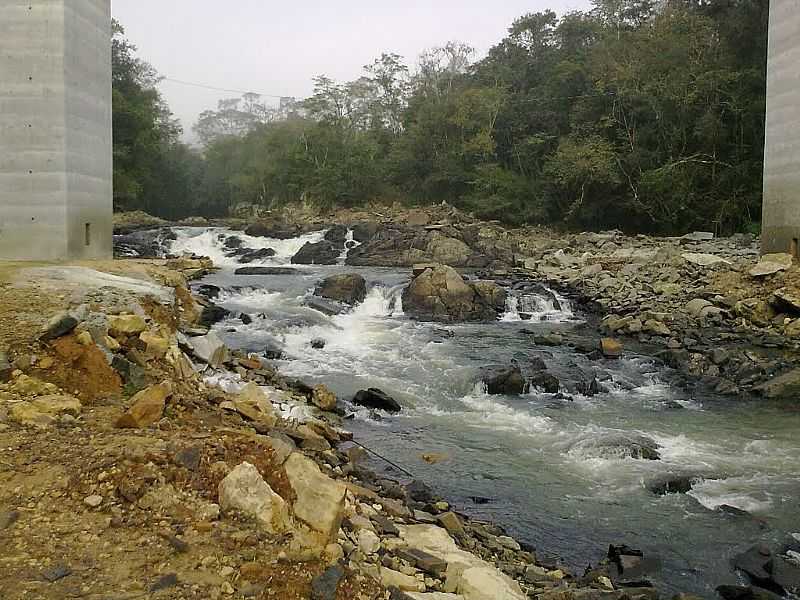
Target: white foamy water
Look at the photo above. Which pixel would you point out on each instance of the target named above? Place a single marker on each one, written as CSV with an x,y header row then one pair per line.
x,y
533,307
211,243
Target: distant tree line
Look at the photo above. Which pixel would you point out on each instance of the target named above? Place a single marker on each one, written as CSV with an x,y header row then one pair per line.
x,y
637,115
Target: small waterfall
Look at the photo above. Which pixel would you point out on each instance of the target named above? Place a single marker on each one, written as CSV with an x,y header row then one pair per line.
x,y
349,243
528,306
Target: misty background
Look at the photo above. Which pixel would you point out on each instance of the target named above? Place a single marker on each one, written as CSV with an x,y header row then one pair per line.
x,y
278,47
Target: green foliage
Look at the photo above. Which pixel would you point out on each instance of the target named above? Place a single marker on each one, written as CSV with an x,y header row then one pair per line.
x,y
152,170
635,115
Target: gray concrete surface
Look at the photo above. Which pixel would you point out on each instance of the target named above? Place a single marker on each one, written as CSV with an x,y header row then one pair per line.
x,y
781,218
55,129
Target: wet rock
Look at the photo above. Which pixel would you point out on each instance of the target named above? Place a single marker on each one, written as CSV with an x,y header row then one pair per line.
x,y
320,499
549,339
273,350
545,381
147,407
349,288
440,294
265,271
326,307
245,491
59,326
321,253
212,314
253,404
325,586
672,484
375,398
233,242
209,291
419,491
508,381
618,446
253,255
786,574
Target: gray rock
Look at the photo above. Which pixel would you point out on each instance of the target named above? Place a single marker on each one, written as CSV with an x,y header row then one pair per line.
x,y
375,398
321,253
59,326
209,349
505,381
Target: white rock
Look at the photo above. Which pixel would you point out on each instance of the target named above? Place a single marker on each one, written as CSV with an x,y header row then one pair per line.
x,y
93,501
368,542
483,583
320,499
704,260
246,491
404,583
209,349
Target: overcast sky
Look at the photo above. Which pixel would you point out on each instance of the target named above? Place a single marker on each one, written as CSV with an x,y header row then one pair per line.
x,y
277,47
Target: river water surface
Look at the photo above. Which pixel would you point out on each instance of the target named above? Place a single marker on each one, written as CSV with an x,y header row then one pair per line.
x,y
550,468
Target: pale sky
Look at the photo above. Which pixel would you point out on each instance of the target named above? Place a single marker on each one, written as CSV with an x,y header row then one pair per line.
x,y
278,47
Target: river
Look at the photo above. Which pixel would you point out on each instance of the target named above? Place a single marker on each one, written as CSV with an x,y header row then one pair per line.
x,y
552,468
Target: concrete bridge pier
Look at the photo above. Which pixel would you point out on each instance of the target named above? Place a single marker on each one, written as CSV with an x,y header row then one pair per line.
x,y
55,129
781,218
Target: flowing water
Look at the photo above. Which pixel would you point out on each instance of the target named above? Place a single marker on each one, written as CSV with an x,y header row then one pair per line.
x,y
554,469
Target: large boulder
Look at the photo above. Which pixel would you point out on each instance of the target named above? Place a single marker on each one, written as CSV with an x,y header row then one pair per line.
x,y
245,491
440,294
349,288
404,246
319,499
321,253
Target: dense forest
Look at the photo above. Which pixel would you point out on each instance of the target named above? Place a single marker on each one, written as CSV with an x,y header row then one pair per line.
x,y
638,115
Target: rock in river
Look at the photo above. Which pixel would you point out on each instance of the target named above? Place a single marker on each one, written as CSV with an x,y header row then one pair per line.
x,y
375,398
502,380
321,253
349,288
440,294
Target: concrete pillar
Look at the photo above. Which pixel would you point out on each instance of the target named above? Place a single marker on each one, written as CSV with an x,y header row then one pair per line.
x,y
55,129
781,218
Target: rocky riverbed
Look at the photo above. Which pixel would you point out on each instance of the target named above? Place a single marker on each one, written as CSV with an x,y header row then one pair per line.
x,y
708,308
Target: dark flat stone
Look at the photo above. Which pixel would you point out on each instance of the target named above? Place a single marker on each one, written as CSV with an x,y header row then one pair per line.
x,y
324,587
56,573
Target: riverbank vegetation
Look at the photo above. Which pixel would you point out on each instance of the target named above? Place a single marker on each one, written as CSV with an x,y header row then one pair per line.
x,y
634,115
